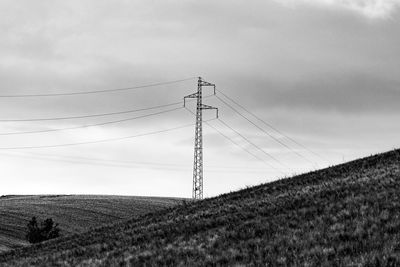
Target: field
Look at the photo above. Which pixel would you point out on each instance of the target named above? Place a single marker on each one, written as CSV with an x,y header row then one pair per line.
x,y
346,215
74,213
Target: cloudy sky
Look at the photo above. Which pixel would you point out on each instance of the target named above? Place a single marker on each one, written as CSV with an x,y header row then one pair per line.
x,y
323,72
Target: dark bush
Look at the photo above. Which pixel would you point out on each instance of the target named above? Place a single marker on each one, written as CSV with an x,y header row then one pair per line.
x,y
47,230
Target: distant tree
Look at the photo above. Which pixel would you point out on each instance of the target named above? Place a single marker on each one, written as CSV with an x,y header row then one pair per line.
x,y
33,235
47,230
50,230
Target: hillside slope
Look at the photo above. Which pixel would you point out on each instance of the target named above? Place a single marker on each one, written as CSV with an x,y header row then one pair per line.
x,y
74,213
344,215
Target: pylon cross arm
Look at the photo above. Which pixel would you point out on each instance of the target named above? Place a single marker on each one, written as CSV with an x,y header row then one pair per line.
x,y
195,95
204,83
209,107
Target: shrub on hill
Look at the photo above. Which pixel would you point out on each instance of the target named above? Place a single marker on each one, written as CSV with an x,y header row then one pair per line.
x,y
47,230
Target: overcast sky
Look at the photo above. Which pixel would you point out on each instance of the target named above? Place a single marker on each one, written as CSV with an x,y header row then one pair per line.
x,y
323,72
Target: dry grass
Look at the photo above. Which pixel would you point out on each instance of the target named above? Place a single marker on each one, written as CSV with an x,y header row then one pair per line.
x,y
347,215
74,213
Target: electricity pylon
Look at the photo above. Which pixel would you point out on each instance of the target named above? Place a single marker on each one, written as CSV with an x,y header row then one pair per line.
x,y
198,142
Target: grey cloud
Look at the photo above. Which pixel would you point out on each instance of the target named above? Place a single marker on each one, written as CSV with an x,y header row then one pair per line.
x,y
341,93
310,72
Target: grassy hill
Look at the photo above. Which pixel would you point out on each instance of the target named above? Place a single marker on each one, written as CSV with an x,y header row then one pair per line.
x,y
74,213
340,216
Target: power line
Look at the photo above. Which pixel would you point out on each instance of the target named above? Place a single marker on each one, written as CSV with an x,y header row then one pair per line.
x,y
91,115
92,125
250,142
122,164
246,150
235,143
147,163
271,127
264,131
100,114
98,141
99,91
88,162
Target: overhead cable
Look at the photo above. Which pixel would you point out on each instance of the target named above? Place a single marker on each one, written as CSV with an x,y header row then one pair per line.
x,y
147,163
264,131
271,126
91,125
251,143
98,141
133,165
238,145
244,149
99,91
92,115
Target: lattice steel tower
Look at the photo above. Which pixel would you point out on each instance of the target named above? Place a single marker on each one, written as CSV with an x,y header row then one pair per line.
x,y
198,141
